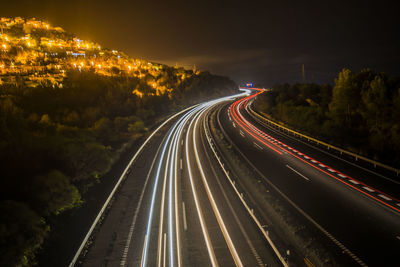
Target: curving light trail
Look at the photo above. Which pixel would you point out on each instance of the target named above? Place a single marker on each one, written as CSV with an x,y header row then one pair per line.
x,y
166,171
278,147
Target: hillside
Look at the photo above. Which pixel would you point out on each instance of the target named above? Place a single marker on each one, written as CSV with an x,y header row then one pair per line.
x,y
34,53
68,109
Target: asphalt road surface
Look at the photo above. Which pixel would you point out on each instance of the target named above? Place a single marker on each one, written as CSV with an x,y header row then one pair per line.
x,y
356,208
176,207
178,204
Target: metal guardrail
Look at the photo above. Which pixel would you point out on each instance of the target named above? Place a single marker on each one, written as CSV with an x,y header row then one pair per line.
x,y
328,146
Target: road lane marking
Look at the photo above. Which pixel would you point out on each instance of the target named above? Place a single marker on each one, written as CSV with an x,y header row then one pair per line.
x,y
354,182
297,172
368,189
258,146
341,175
184,216
385,197
241,133
331,170
237,105
180,164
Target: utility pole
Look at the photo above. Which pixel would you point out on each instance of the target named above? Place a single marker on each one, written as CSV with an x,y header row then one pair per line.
x,y
303,72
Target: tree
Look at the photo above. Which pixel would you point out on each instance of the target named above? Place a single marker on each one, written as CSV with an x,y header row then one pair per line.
x,y
345,99
22,232
375,103
103,128
52,193
137,127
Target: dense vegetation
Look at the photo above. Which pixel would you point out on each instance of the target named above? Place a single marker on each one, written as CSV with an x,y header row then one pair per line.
x,y
360,113
55,142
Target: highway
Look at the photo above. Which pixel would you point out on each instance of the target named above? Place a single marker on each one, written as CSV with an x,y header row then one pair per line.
x,y
177,206
355,209
215,186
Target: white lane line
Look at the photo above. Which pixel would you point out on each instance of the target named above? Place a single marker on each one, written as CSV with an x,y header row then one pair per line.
x,y
306,157
258,146
182,142
354,182
234,125
241,133
297,172
321,165
341,175
314,161
184,216
180,164
368,189
331,170
398,237
385,197
398,204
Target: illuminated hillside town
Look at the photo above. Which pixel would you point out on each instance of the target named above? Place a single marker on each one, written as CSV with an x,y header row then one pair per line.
x,y
34,53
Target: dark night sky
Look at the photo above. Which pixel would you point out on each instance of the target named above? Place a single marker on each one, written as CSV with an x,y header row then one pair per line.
x,y
261,41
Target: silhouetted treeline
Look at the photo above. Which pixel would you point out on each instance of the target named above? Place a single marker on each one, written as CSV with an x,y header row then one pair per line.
x,y
360,113
55,142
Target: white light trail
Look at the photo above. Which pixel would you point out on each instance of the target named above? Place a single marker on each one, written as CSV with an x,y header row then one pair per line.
x,y
221,223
